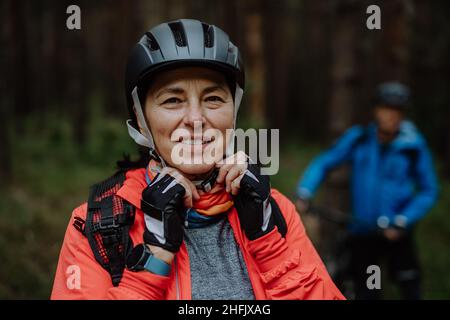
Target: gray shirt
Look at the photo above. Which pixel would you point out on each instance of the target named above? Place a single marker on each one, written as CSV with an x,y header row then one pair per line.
x,y
218,270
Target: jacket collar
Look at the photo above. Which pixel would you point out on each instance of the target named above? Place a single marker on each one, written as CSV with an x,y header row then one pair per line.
x,y
407,138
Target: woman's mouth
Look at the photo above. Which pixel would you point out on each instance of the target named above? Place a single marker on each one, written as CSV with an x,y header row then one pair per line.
x,y
196,149
196,141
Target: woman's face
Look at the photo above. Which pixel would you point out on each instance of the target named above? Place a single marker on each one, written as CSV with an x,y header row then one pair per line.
x,y
188,111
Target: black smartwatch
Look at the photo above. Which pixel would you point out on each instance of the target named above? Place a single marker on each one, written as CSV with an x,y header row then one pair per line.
x,y
141,258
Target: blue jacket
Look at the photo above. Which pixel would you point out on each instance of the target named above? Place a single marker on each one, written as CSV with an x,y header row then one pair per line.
x,y
392,185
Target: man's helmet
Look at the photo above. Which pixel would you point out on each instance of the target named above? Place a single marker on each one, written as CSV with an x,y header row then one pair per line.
x,y
171,45
393,94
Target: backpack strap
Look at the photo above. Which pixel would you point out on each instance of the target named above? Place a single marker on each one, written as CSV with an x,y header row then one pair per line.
x,y
107,226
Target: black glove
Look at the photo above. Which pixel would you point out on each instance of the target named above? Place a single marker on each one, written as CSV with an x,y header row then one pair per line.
x,y
162,204
253,203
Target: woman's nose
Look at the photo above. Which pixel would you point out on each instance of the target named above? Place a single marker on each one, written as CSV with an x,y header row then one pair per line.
x,y
194,114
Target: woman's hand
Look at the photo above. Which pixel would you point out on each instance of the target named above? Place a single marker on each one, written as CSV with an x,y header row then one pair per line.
x,y
164,203
231,171
251,193
191,191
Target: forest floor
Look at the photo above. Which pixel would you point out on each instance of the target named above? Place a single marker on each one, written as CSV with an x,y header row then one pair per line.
x,y
52,173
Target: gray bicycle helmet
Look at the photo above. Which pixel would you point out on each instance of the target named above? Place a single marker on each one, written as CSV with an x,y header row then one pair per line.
x,y
393,94
179,43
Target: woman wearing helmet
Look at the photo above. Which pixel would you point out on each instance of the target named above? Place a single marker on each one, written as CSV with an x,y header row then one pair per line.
x,y
206,223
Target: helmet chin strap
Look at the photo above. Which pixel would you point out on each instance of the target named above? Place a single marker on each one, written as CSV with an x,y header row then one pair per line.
x,y
145,138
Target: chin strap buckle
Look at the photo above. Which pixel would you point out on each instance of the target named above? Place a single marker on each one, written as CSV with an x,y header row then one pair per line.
x,y
207,184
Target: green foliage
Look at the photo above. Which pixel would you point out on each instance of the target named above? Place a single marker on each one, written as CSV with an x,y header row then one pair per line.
x,y
51,176
433,242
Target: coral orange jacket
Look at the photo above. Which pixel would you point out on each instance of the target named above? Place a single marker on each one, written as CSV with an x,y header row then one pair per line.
x,y
279,268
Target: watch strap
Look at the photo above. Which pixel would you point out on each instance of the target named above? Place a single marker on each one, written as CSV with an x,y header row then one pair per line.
x,y
157,266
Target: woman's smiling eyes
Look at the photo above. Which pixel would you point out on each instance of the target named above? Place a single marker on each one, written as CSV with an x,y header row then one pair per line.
x,y
174,101
214,99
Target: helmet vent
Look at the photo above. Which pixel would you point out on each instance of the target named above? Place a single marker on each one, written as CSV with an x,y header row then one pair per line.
x,y
151,42
208,35
178,34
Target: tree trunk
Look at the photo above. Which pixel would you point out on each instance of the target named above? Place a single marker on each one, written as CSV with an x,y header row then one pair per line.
x,y
256,68
18,39
344,85
278,48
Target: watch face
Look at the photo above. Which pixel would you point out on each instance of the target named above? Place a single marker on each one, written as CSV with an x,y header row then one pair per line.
x,y
135,257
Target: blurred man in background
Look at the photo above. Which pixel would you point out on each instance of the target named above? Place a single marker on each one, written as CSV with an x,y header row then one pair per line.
x,y
393,185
